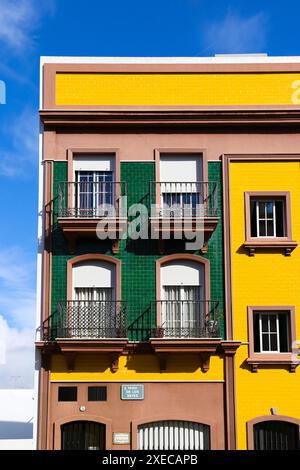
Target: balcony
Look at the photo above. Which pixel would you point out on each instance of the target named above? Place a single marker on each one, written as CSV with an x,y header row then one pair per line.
x,y
101,327
186,326
184,208
83,205
89,327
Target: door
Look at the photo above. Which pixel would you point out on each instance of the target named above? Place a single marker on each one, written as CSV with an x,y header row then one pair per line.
x,y
94,312
173,435
181,185
276,435
182,314
83,435
94,192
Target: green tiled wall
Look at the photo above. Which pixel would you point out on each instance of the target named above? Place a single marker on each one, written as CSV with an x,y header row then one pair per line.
x,y
138,257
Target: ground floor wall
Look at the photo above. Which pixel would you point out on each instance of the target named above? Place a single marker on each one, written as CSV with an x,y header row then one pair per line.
x,y
201,403
268,394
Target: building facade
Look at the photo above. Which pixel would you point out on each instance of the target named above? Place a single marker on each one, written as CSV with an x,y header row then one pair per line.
x,y
168,308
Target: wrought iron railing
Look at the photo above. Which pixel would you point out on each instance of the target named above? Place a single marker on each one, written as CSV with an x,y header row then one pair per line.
x,y
174,319
87,320
87,199
184,199
186,319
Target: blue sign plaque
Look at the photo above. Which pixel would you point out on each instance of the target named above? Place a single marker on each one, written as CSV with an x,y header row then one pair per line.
x,y
132,392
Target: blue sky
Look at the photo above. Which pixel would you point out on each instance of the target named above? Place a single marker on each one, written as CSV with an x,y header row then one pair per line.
x,y
31,28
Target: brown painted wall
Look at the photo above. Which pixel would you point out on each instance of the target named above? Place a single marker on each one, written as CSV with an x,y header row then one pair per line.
x,y
140,146
198,402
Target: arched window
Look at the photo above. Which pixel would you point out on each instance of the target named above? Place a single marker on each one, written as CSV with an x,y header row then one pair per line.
x,y
83,435
93,281
173,435
183,293
94,309
276,435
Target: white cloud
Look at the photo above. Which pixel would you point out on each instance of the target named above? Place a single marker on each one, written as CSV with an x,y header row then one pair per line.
x,y
19,19
235,34
22,156
17,288
17,319
17,368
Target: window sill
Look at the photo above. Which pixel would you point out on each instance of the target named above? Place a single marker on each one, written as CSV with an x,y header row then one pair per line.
x,y
281,243
279,359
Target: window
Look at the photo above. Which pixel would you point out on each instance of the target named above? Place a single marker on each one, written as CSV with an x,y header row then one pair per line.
x,y
67,393
181,185
185,309
173,435
94,184
92,311
267,217
97,393
94,191
182,309
92,294
268,221
83,435
276,435
271,332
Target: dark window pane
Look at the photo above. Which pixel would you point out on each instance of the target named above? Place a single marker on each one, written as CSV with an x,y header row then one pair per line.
x,y
269,206
97,394
284,333
262,228
265,322
67,393
270,228
256,333
253,218
274,345
273,324
280,222
265,342
261,210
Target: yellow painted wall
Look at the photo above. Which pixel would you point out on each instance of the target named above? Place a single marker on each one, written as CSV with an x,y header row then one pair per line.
x,y
136,368
265,279
177,89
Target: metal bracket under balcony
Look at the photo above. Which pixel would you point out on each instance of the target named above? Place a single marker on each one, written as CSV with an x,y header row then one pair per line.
x,y
186,327
183,209
92,209
87,327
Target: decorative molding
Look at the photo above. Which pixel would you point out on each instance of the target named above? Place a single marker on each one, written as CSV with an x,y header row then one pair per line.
x,y
286,245
197,116
205,348
255,360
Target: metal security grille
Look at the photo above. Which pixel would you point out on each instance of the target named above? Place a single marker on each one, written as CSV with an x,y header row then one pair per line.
x,y
186,318
184,199
91,319
276,435
83,435
93,196
173,435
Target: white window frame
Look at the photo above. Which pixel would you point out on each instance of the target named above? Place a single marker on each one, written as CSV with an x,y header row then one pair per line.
x,y
269,333
97,207
265,219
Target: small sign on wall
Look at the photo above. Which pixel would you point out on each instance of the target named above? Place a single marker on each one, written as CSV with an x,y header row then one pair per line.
x,y
121,438
132,392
